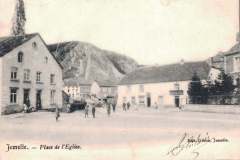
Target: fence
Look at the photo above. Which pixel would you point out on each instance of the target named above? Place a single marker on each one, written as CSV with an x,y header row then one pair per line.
x,y
215,99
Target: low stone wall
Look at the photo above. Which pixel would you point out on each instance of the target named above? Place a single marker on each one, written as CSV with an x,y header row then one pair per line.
x,y
10,109
225,109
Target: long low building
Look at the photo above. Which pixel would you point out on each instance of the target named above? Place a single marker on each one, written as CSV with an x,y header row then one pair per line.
x,y
162,85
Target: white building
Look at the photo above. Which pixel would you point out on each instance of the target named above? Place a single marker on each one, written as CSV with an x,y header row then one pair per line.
x,y
80,89
165,85
28,71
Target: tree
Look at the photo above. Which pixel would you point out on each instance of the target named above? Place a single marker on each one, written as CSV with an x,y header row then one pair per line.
x,y
224,84
195,90
19,19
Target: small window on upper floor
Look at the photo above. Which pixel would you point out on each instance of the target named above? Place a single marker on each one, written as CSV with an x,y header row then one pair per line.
x,y
34,45
46,60
20,57
141,88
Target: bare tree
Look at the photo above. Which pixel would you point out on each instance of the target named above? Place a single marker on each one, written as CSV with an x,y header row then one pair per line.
x,y
19,19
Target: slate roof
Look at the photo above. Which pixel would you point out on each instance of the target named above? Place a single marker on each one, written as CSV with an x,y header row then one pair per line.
x,y
7,44
167,73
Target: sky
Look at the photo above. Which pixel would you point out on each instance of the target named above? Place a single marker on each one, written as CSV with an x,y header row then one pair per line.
x,y
150,31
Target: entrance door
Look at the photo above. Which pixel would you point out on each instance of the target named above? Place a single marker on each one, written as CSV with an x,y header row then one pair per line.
x,y
149,100
26,96
177,101
39,99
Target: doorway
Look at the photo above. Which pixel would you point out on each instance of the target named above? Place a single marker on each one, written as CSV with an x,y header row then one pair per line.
x,y
26,98
39,99
177,101
148,100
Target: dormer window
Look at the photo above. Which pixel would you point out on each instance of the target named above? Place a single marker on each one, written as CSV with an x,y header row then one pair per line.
x,y
20,57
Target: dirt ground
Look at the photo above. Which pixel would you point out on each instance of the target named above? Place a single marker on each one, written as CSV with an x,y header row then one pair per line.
x,y
141,134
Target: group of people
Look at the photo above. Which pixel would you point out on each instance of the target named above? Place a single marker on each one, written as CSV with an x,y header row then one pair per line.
x,y
92,103
91,107
27,108
126,106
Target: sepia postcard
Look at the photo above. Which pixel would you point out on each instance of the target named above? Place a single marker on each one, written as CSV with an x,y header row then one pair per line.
x,y
120,79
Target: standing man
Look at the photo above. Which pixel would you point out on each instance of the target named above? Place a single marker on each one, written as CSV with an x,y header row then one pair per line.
x,y
93,110
128,105
86,110
108,108
124,106
57,113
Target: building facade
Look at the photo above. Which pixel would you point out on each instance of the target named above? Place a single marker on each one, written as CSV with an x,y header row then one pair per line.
x,y
28,71
160,85
81,89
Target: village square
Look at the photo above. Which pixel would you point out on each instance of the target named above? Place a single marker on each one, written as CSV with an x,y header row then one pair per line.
x,y
73,100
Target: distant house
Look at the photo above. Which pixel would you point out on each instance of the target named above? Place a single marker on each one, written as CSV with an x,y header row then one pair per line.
x,y
165,85
80,89
232,62
28,71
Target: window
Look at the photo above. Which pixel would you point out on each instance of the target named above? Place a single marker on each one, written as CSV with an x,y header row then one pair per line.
x,y
38,78
14,73
176,86
34,45
46,60
52,96
20,57
52,78
133,100
141,88
236,67
129,88
125,99
13,95
141,100
26,75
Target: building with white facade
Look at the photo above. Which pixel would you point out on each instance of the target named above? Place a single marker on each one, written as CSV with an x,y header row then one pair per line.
x,y
164,85
81,89
28,71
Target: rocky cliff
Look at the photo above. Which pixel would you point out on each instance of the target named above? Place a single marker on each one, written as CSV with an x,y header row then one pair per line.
x,y
84,61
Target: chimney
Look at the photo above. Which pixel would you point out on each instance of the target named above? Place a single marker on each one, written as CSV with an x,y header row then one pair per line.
x,y
238,34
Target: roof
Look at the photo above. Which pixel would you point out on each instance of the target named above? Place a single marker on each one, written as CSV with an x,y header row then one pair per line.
x,y
7,44
235,49
167,73
82,81
62,47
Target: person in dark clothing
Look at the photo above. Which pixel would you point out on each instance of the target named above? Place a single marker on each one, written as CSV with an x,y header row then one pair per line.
x,y
57,113
108,108
124,106
93,110
114,107
128,106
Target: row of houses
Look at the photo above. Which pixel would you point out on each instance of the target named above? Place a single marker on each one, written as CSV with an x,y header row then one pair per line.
x,y
30,72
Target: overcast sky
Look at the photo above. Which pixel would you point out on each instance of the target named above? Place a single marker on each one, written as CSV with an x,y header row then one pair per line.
x,y
150,31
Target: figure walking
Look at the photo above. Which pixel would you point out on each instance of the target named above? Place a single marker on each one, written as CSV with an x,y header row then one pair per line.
x,y
128,106
114,107
93,110
108,109
57,113
124,106
86,110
